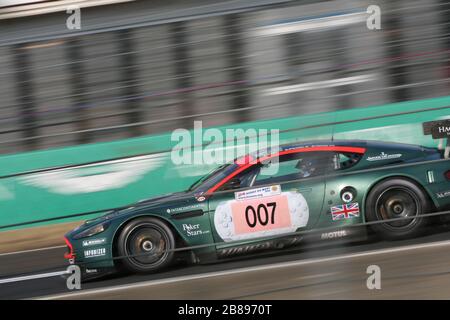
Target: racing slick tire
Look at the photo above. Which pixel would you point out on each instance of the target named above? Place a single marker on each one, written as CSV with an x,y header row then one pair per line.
x,y
146,245
397,198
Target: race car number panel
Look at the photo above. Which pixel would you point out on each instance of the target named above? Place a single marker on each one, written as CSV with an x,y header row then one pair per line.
x,y
262,217
261,214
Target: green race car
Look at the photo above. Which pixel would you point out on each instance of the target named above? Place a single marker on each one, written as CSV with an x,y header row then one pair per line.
x,y
265,201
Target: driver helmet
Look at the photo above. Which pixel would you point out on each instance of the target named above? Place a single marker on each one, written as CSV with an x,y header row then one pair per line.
x,y
307,166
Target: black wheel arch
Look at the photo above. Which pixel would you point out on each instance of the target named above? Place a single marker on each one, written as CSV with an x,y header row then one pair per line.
x,y
179,241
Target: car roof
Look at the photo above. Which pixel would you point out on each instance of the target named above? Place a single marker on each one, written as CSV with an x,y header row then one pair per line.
x,y
368,144
320,143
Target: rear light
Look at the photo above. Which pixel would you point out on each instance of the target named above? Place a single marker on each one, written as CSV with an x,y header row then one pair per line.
x,y
447,175
70,255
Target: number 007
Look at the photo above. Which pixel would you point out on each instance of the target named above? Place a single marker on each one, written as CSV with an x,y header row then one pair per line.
x,y
260,214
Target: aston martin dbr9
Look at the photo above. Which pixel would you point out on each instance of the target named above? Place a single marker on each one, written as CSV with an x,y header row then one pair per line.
x,y
266,200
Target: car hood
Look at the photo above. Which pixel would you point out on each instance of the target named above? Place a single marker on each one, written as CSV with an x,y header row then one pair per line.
x,y
164,198
145,203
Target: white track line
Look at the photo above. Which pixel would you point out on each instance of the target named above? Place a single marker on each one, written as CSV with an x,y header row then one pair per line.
x,y
244,270
33,277
31,250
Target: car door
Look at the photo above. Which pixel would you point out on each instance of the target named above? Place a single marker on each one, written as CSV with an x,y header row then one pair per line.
x,y
279,195
344,193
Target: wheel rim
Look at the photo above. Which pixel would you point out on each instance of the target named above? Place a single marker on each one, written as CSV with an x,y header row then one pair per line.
x,y
147,245
398,202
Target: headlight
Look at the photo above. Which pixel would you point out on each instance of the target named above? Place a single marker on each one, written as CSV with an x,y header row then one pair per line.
x,y
92,231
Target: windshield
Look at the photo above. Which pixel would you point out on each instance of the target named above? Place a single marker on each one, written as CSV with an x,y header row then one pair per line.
x,y
213,177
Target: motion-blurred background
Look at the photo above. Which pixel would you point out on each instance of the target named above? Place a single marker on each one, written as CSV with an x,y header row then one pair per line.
x,y
144,67
86,114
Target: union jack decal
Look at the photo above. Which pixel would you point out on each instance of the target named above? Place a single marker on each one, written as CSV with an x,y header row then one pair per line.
x,y
345,211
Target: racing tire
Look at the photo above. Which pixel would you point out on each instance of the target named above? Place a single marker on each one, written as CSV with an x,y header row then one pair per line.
x,y
397,198
146,244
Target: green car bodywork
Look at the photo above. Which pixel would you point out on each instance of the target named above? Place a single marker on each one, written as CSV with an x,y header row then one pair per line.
x,y
350,169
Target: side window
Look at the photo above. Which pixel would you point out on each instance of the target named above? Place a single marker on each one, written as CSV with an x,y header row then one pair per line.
x,y
296,166
242,180
286,168
345,160
287,165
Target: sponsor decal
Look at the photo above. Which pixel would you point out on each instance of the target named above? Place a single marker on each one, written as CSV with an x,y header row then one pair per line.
x,y
258,217
333,235
384,156
258,193
193,230
94,242
441,131
181,209
309,146
91,271
444,194
438,129
345,211
200,199
95,253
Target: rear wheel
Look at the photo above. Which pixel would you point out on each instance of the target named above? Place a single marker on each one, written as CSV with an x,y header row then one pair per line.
x,y
147,244
401,199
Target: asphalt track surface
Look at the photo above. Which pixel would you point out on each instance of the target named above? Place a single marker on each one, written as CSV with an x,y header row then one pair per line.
x,y
410,269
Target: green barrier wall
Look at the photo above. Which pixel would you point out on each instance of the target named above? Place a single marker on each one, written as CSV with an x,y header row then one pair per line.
x,y
43,185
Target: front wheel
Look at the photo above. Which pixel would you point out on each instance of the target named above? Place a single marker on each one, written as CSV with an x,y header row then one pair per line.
x,y
146,244
401,199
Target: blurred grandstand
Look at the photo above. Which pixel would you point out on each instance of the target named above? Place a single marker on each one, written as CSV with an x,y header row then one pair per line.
x,y
86,115
144,67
